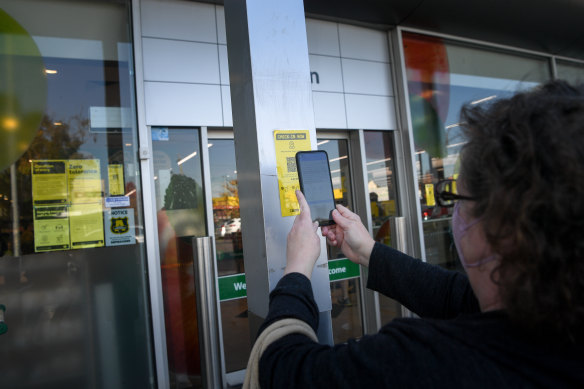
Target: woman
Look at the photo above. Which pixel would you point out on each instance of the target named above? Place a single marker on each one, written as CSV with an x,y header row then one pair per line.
x,y
515,319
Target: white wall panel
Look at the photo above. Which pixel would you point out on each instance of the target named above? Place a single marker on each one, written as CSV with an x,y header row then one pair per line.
x,y
363,43
329,73
323,37
220,13
329,110
226,99
370,112
172,104
183,20
366,77
180,61
223,65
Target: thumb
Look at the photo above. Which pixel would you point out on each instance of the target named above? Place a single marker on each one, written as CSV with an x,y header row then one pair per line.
x,y
341,220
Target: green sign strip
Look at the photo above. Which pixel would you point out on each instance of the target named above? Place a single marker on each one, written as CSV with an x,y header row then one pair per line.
x,y
232,287
341,269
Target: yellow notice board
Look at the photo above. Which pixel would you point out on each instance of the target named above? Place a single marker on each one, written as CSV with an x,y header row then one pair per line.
x,y
430,200
84,181
288,143
49,182
51,228
116,179
86,224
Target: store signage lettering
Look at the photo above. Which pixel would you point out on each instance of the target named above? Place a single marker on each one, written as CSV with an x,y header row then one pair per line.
x,y
314,78
341,269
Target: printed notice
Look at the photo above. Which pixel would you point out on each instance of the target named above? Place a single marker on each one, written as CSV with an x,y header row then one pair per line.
x,y
51,228
116,179
49,182
84,181
430,200
86,225
287,144
119,227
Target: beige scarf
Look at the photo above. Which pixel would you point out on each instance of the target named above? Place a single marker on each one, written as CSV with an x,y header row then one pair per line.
x,y
274,332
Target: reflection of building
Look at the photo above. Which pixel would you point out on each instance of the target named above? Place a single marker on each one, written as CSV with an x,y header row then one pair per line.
x,y
145,85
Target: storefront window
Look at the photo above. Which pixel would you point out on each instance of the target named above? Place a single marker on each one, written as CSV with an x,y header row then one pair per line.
x,y
570,71
382,186
229,251
180,213
72,265
344,275
442,77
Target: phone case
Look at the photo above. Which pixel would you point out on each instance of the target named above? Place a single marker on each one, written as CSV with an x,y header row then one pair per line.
x,y
320,223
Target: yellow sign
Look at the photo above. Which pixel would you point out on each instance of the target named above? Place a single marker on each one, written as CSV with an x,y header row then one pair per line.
x,y
116,179
84,181
49,182
287,144
51,228
430,200
86,223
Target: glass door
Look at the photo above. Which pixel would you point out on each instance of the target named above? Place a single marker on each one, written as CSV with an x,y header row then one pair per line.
x,y
344,275
180,207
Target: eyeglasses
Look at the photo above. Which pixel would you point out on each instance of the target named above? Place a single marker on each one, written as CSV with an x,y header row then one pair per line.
x,y
445,193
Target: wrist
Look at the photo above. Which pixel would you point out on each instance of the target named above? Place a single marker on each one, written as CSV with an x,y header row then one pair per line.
x,y
365,254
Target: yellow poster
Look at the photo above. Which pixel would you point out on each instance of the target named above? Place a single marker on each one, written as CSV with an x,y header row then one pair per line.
x,y
86,225
51,228
288,143
116,179
84,181
430,200
49,182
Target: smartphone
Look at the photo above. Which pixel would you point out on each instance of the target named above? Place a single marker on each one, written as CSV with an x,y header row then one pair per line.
x,y
315,183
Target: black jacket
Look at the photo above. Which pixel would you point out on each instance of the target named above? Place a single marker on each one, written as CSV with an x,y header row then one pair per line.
x,y
452,345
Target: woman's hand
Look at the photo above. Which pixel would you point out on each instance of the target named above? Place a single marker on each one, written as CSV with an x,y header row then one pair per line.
x,y
350,235
303,245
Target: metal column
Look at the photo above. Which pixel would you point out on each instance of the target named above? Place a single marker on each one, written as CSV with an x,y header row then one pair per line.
x,y
270,90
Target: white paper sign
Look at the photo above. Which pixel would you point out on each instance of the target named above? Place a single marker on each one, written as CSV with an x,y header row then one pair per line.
x,y
119,227
117,201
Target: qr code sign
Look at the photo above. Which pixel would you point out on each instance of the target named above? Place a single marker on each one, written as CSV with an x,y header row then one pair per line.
x,y
291,162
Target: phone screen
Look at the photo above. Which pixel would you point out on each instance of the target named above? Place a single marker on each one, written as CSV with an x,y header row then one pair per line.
x,y
316,185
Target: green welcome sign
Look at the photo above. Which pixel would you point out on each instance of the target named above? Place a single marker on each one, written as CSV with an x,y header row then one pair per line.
x,y
235,287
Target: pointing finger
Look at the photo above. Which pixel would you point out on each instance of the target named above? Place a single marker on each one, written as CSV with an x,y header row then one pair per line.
x,y
304,208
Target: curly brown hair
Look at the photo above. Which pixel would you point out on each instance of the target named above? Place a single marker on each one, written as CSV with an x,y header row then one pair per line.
x,y
524,165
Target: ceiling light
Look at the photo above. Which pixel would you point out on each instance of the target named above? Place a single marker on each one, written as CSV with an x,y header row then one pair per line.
x,y
186,158
483,100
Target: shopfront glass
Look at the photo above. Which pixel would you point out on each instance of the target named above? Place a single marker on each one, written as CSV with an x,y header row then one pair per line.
x,y
73,291
344,275
382,187
443,76
180,214
570,71
229,252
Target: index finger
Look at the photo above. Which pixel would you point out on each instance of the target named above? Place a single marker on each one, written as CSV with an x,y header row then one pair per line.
x,y
304,208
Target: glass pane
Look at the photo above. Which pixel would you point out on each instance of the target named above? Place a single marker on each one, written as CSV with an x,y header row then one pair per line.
x,y
181,216
442,76
345,284
72,265
382,185
229,250
570,71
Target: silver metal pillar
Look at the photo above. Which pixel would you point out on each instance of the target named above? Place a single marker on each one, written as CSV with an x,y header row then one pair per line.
x,y
207,318
270,90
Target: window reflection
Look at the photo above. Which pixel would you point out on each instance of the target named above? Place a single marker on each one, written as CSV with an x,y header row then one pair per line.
x,y
442,77
345,286
181,216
